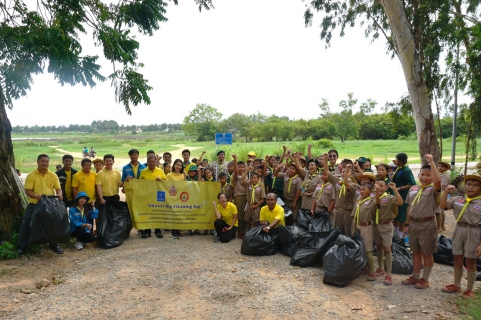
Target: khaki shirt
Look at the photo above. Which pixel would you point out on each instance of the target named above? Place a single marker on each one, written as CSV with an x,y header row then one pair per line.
x,y
445,181
296,184
472,214
426,205
228,189
240,187
367,210
309,185
219,167
259,193
345,201
327,195
387,206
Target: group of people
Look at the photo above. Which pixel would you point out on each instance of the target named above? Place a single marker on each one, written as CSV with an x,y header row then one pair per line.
x,y
377,205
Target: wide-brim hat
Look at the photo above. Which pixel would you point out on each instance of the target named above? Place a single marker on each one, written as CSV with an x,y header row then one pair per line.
x,y
446,164
478,166
369,175
472,177
82,194
98,160
302,158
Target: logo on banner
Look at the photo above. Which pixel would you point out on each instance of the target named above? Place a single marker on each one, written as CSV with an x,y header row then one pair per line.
x,y
161,196
184,196
173,191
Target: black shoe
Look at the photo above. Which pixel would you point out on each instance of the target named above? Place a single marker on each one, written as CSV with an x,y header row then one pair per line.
x,y
56,248
159,235
175,235
212,232
217,239
190,233
197,232
206,232
20,253
144,235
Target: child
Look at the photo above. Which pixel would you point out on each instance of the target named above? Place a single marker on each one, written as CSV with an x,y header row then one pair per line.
x,y
420,223
324,197
225,187
240,184
230,172
167,167
81,222
208,177
382,173
362,215
467,233
176,175
192,174
255,197
383,227
443,168
292,189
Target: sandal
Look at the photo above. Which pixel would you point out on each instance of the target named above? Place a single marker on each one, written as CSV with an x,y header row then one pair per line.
x,y
451,288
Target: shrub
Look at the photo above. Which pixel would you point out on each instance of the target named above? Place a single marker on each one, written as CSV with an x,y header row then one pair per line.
x,y
325,143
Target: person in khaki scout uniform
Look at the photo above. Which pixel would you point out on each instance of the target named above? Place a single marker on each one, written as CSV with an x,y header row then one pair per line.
x,y
309,184
240,184
292,190
467,233
443,168
344,198
421,223
255,197
225,187
324,196
383,227
362,214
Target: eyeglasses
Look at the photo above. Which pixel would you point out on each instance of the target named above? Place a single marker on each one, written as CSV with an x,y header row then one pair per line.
x,y
332,156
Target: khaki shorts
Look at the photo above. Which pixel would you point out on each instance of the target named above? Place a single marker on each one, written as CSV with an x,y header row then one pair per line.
x,y
465,241
240,203
252,215
367,236
423,237
383,234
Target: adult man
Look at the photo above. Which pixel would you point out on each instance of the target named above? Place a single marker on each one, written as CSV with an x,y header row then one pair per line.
x,y
39,182
84,180
65,175
220,165
272,215
107,182
167,157
133,168
186,163
157,158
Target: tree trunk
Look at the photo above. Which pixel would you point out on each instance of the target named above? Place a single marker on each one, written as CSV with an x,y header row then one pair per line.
x,y
404,42
10,204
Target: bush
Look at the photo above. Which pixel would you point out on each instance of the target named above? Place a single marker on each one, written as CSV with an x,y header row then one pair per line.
x,y
401,137
325,143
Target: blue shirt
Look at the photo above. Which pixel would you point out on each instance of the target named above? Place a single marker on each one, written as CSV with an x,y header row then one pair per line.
x,y
76,219
128,170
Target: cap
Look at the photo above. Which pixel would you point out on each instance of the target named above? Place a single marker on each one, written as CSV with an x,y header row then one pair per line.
x,y
192,168
362,159
221,151
251,154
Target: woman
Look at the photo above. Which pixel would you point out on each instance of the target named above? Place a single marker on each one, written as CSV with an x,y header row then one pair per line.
x,y
311,181
404,180
177,174
81,220
334,168
226,219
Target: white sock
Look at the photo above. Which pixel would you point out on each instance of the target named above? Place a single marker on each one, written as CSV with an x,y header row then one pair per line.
x,y
396,229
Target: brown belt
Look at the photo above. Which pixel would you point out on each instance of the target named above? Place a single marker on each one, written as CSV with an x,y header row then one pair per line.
x,y
365,224
467,225
423,219
385,222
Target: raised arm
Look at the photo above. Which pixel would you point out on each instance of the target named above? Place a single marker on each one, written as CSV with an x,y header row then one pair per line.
x,y
399,198
434,172
443,202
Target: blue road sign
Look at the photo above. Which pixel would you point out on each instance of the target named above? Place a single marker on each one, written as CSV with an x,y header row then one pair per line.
x,y
223,138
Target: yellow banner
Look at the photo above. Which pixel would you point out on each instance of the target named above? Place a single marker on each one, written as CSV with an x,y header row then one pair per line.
x,y
178,205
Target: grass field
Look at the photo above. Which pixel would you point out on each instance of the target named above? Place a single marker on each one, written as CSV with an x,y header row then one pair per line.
x,y
26,151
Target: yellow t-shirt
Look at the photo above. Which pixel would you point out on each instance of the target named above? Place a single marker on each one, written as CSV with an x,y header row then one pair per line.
x,y
175,176
45,185
228,213
109,180
85,182
149,175
68,186
270,216
187,167
135,169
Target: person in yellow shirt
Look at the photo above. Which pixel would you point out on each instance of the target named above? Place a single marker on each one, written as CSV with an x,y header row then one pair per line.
x,y
226,219
84,180
65,175
98,164
108,182
272,215
39,182
177,174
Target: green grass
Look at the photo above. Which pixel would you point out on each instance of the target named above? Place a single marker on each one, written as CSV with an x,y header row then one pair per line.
x,y
378,150
470,308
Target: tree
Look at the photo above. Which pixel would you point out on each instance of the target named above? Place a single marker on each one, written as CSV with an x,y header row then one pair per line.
x,y
345,125
235,123
202,122
47,36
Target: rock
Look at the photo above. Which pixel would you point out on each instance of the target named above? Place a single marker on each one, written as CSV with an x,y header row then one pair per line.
x,y
42,283
391,306
26,291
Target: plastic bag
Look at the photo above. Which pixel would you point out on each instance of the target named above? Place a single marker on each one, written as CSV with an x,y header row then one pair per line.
x,y
445,251
49,223
259,243
311,247
320,222
402,258
115,225
344,261
287,238
304,219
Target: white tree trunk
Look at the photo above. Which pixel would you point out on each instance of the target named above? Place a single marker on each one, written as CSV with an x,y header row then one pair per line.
x,y
403,37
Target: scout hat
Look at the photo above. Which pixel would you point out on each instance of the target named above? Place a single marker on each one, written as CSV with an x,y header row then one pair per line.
x,y
192,168
478,166
447,165
362,159
302,158
80,195
472,177
98,160
368,175
222,151
251,154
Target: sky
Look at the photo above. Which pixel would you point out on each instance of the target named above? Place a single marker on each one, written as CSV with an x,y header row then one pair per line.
x,y
243,56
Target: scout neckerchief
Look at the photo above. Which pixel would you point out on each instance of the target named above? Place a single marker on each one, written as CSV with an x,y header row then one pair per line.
x,y
222,187
377,210
420,192
306,185
191,179
357,216
253,193
332,169
319,195
81,211
397,169
342,192
209,180
468,200
230,178
290,183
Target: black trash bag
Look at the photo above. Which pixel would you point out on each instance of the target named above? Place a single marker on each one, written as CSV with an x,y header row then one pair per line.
x,y
344,261
49,223
288,234
304,219
445,251
320,222
311,247
115,225
402,258
478,276
259,243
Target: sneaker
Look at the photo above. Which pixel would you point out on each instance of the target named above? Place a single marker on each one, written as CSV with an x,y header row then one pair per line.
x,y
175,235
20,253
56,248
159,235
196,232
212,232
387,280
78,245
380,272
422,284
190,233
411,281
451,288
143,235
206,232
217,239
468,294
364,272
371,277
